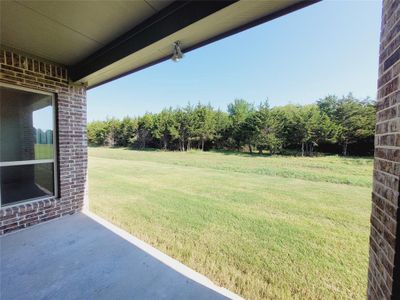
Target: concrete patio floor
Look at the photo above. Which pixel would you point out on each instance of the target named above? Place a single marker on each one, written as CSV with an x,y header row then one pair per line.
x,y
84,257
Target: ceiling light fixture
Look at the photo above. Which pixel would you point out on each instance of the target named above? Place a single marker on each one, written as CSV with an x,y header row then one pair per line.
x,y
177,55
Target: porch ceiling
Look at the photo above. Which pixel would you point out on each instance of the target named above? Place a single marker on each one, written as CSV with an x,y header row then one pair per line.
x,y
103,40
65,32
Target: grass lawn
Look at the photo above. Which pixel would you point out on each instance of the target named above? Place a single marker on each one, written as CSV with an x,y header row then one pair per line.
x,y
263,227
44,151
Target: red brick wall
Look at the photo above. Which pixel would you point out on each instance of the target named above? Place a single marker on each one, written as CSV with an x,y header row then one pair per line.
x,y
24,71
383,273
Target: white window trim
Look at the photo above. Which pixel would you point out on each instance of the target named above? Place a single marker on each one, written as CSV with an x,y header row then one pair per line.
x,y
25,162
54,160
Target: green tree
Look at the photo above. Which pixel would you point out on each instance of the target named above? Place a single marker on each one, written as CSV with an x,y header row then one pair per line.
x,y
344,121
97,133
128,131
265,133
185,120
354,119
204,124
238,112
113,132
222,125
165,127
145,128
288,125
267,140
251,128
317,128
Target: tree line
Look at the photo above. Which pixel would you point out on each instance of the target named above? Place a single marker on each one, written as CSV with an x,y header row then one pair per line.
x,y
331,124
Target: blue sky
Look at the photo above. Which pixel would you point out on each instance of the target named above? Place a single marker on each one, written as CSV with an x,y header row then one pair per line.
x,y
328,48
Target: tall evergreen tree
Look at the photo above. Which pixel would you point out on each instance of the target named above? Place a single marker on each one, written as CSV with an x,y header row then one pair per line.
x,y
165,127
145,128
239,111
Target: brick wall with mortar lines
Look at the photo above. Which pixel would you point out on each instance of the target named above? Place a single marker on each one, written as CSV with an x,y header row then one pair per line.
x,y
383,278
24,71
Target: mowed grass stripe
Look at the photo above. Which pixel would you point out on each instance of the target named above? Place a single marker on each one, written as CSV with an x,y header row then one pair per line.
x,y
260,236
245,194
351,171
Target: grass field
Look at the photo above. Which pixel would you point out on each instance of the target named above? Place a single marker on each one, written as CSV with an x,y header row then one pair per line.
x,y
263,227
44,151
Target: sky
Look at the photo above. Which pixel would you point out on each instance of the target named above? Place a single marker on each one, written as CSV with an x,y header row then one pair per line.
x,y
327,48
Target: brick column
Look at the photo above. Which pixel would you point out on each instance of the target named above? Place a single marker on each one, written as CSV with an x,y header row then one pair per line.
x,y
384,253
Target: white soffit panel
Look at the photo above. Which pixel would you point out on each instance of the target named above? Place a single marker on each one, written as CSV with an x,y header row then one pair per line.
x,y
66,32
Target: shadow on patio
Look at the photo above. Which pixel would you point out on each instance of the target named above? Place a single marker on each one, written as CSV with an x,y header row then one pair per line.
x,y
84,257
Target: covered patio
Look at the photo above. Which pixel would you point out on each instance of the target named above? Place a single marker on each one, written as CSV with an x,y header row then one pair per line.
x,y
51,53
84,257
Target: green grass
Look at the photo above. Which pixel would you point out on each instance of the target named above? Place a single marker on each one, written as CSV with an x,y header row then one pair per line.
x,y
44,172
263,227
44,151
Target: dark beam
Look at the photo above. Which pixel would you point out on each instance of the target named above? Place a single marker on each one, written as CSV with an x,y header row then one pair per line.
x,y
176,16
259,21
